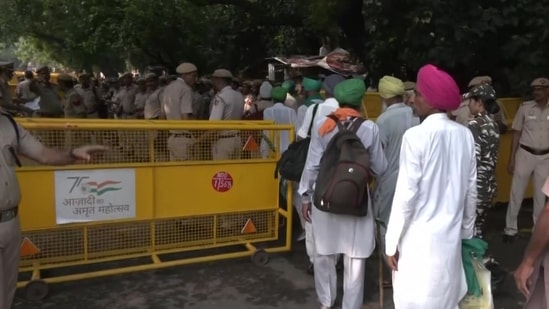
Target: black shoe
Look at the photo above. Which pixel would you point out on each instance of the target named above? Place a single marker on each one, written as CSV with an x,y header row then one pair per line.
x,y
498,274
311,269
508,239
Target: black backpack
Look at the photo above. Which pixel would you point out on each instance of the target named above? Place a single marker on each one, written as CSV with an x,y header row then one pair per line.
x,y
292,161
344,173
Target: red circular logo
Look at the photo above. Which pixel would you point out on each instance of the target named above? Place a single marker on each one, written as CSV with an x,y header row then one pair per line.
x,y
222,182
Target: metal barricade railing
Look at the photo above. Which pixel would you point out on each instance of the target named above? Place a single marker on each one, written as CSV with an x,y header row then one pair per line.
x,y
166,210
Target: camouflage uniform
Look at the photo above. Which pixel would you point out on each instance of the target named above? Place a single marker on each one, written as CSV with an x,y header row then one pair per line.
x,y
486,134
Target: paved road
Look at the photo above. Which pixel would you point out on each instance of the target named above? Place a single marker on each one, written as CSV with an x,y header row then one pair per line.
x,y
240,284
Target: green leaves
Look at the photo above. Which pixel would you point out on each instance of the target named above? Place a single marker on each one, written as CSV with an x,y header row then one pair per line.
x,y
507,39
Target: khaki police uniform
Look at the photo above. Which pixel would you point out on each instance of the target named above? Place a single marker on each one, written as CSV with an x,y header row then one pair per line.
x,y
50,103
90,101
177,100
126,104
126,97
153,105
10,233
74,105
153,111
89,96
75,108
463,114
532,157
91,105
228,104
5,94
140,100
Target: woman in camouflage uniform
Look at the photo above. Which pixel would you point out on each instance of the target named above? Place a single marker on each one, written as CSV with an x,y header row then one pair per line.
x,y
483,105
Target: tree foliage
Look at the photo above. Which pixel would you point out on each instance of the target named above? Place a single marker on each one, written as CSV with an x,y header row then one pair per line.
x,y
503,38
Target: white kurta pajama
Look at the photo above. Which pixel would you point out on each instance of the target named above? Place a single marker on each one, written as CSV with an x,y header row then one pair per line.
x,y
354,237
302,129
433,210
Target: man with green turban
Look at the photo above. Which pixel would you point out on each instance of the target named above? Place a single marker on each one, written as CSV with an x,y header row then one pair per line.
x,y
313,112
278,94
312,90
334,234
280,114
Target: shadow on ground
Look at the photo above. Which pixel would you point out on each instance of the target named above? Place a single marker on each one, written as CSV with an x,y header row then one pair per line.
x,y
282,283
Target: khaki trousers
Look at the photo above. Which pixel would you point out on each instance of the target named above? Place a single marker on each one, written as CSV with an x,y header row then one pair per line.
x,y
228,148
180,147
10,241
526,164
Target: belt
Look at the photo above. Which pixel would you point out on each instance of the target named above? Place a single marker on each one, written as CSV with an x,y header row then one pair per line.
x,y
536,152
187,135
227,136
7,215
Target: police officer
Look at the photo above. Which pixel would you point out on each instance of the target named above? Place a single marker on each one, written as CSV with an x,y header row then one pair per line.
x,y
228,104
74,104
141,98
177,104
126,97
50,101
10,234
88,92
463,115
153,109
6,100
126,109
529,153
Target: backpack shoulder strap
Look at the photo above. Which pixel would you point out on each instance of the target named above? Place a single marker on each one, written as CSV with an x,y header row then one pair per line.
x,y
355,125
312,120
13,123
340,125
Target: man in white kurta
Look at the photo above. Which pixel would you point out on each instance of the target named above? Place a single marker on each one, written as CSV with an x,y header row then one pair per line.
x,y
323,109
435,200
354,237
280,114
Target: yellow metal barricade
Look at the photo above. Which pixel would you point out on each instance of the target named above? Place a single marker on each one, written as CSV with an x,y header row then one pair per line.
x,y
510,106
121,207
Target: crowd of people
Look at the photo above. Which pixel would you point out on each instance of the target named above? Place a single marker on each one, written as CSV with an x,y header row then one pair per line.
x,y
432,152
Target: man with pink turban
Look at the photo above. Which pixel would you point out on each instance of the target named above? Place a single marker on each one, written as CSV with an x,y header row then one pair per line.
x,y
435,200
